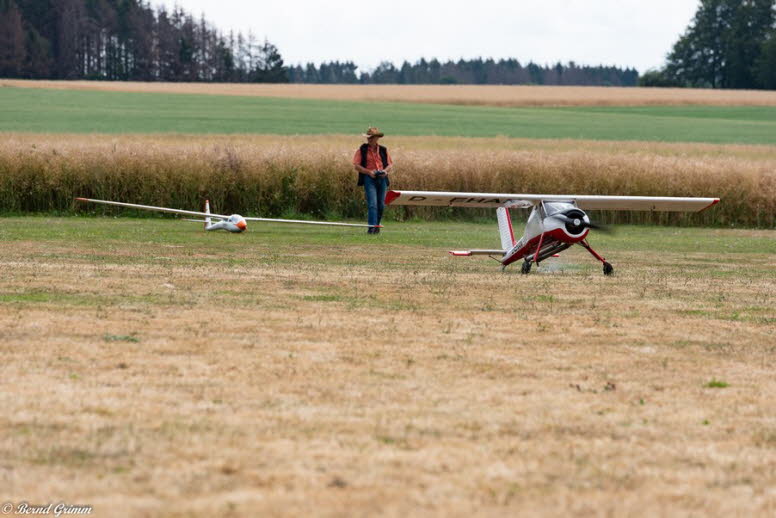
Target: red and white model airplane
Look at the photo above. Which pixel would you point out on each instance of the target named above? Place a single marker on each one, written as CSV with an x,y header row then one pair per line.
x,y
232,223
556,222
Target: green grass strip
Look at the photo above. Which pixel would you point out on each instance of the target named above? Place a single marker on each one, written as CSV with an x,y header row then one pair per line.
x,y
71,111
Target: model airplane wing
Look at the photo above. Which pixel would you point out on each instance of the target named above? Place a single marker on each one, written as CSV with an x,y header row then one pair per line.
x,y
589,202
156,209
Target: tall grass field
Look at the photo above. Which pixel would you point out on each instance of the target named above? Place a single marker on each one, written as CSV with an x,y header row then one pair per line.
x,y
275,176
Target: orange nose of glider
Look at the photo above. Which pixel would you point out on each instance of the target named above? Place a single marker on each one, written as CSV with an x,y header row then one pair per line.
x,y
242,225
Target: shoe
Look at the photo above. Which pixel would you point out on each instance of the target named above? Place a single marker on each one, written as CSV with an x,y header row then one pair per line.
x,y
370,230
376,230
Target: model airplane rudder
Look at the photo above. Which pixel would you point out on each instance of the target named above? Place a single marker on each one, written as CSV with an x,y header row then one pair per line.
x,y
505,228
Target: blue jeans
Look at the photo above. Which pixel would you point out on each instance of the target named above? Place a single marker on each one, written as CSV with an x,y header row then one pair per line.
x,y
374,189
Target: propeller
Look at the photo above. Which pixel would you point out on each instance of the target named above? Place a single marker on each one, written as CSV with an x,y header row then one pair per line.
x,y
575,222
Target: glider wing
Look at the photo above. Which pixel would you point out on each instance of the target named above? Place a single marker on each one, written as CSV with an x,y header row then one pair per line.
x,y
216,216
304,222
150,207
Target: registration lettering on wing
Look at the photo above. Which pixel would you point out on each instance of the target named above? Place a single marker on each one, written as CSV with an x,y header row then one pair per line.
x,y
475,201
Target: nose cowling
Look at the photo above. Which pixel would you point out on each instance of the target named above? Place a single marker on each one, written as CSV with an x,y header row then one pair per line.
x,y
242,225
575,221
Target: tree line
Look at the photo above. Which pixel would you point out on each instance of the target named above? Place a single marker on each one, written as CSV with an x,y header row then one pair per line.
x,y
126,40
728,44
474,71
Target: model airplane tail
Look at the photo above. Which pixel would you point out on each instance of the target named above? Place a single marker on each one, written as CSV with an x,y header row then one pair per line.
x,y
207,211
505,231
505,228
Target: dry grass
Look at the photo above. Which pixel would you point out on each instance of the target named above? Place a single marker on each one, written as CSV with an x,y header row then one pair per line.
x,y
490,95
311,175
149,369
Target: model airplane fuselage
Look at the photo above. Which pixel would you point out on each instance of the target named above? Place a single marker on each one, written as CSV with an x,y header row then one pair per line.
x,y
551,228
555,223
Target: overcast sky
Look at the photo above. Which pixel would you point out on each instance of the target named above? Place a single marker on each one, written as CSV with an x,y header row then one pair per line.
x,y
632,33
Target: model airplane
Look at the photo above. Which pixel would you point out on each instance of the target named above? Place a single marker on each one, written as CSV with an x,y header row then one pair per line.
x,y
232,223
556,222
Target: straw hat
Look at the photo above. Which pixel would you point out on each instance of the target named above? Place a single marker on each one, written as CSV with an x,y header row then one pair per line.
x,y
373,132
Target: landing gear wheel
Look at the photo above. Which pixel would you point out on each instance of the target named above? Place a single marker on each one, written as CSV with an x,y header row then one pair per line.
x,y
526,268
608,268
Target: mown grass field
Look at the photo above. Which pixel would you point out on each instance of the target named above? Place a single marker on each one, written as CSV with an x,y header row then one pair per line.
x,y
76,111
150,368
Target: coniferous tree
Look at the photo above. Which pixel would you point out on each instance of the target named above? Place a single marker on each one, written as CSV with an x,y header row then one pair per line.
x,y
765,65
385,73
12,48
271,69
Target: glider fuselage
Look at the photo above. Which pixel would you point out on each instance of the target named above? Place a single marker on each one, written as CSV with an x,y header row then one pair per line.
x,y
235,223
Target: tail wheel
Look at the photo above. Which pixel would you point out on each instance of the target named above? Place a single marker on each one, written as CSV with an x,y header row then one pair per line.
x,y
526,268
608,268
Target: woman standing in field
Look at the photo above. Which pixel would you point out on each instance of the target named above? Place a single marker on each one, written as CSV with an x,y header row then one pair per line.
x,y
373,164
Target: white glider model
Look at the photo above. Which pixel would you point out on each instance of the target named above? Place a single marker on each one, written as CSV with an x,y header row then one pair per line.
x,y
232,223
556,222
